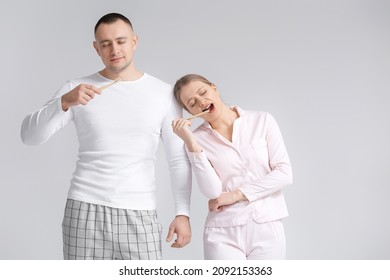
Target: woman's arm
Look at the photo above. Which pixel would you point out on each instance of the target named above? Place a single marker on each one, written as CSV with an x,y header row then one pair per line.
x,y
279,164
209,183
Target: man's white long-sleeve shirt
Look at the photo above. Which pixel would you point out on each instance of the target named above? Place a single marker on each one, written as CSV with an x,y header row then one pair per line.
x,y
255,162
119,132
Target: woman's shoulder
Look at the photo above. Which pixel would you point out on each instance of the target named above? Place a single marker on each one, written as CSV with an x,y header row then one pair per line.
x,y
253,113
258,117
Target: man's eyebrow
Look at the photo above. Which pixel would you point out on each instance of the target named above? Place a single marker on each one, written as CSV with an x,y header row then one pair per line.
x,y
121,38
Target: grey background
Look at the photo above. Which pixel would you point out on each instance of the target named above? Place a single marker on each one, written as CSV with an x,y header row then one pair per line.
x,y
321,68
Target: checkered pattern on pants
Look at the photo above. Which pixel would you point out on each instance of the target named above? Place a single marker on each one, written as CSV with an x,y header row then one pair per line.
x,y
96,232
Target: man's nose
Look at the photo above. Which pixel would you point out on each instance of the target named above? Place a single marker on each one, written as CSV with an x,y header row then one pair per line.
x,y
115,49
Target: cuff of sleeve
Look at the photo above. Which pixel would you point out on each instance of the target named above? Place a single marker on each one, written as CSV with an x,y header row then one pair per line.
x,y
196,157
59,106
183,208
183,213
249,194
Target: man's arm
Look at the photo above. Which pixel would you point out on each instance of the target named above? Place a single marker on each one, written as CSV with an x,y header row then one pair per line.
x,y
40,125
181,178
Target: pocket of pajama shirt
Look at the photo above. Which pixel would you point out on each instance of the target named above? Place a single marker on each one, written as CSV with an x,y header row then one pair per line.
x,y
260,149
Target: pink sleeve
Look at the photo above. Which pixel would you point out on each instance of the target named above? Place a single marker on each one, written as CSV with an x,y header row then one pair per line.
x,y
279,163
209,183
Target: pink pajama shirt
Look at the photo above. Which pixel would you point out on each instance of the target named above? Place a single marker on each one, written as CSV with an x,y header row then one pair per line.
x,y
255,162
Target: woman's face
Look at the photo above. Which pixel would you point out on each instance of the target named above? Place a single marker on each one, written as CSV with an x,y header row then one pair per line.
x,y
198,96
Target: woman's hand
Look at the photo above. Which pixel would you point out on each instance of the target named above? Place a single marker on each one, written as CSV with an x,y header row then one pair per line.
x,y
225,199
181,127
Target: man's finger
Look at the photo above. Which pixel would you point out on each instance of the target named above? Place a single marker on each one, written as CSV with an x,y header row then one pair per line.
x,y
170,234
93,88
179,243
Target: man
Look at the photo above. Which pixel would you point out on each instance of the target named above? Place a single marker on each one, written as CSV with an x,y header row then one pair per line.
x,y
110,212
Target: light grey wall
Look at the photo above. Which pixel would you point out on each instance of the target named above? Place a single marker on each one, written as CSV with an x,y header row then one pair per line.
x,y
321,68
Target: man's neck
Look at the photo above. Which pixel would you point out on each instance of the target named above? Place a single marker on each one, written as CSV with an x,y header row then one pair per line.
x,y
126,75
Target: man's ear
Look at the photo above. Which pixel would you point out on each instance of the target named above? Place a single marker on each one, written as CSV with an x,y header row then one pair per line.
x,y
135,41
96,47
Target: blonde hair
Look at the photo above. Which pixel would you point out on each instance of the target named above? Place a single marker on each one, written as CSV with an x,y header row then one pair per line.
x,y
185,80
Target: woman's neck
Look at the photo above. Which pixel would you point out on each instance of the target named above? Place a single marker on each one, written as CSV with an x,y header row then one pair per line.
x,y
225,120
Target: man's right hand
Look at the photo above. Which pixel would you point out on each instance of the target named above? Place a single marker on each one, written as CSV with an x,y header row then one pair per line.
x,y
81,94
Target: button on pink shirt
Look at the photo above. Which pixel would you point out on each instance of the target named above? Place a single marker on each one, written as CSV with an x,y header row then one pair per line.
x,y
256,162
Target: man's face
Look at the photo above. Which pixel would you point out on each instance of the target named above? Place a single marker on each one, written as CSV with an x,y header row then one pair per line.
x,y
115,43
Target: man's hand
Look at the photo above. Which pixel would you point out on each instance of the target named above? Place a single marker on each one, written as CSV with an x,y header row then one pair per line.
x,y
181,226
81,94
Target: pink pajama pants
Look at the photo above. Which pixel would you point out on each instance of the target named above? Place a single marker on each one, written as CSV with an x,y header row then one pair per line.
x,y
252,241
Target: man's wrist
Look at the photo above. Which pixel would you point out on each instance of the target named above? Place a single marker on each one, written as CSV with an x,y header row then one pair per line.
x,y
64,104
182,216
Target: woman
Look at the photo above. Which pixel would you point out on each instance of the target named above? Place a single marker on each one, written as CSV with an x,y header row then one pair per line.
x,y
241,164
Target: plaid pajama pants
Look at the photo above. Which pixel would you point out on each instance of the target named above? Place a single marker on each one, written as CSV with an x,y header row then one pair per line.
x,y
96,232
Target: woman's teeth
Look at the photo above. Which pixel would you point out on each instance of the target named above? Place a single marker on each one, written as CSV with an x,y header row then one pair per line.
x,y
207,109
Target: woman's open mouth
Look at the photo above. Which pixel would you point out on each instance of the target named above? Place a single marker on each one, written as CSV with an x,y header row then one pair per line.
x,y
209,108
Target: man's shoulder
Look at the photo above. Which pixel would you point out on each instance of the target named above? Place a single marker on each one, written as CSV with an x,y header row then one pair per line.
x,y
156,81
95,77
